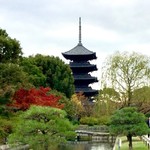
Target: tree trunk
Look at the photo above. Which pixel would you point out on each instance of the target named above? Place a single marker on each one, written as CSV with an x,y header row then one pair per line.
x,y
129,95
129,137
46,147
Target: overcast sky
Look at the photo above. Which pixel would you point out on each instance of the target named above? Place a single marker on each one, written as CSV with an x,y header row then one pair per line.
x,y
50,27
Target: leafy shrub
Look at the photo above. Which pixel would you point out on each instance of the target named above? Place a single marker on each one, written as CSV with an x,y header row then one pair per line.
x,y
5,129
104,120
89,121
70,136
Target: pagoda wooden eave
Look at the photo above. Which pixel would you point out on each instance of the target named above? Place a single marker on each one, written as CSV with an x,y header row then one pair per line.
x,y
79,52
83,77
81,65
80,57
87,91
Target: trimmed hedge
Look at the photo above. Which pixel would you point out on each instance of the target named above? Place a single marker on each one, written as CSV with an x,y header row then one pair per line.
x,y
104,120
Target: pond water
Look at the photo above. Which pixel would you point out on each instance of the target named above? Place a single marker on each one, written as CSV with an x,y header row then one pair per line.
x,y
86,146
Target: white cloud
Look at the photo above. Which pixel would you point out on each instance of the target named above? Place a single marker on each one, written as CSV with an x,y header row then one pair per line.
x,y
140,48
98,33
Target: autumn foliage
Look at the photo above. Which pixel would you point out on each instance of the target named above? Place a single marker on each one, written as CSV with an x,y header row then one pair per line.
x,y
23,98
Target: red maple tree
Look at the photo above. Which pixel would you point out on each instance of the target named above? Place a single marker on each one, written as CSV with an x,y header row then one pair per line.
x,y
23,98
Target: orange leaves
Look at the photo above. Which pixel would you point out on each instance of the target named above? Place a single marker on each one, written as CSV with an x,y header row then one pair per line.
x,y
23,98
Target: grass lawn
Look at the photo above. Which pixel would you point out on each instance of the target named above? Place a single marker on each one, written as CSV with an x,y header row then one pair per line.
x,y
137,143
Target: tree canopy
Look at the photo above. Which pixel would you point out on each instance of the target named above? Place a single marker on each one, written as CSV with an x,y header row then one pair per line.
x,y
35,74
126,72
10,49
109,93
58,74
129,122
13,74
12,77
107,101
24,98
141,98
42,127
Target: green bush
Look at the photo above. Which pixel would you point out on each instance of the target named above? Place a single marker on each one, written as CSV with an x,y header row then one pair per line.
x,y
147,115
5,129
70,136
89,121
104,120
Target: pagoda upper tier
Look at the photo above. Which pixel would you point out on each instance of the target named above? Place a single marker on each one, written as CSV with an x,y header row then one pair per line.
x,y
79,53
82,67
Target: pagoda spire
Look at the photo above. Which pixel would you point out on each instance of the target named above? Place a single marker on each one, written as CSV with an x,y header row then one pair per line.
x,y
80,31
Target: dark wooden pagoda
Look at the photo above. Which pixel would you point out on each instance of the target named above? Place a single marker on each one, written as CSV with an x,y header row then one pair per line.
x,y
79,58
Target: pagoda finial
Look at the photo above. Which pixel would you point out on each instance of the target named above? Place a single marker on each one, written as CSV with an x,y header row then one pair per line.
x,y
80,31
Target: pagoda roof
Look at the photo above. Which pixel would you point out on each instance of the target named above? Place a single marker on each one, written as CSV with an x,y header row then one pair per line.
x,y
82,69
79,50
88,91
83,77
82,65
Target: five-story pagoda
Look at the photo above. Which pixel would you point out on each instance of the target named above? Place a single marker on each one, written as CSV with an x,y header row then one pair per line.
x,y
79,58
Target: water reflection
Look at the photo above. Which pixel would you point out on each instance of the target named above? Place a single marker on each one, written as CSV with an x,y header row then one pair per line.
x,y
101,146
86,146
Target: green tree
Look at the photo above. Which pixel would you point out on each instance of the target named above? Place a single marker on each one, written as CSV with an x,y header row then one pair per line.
x,y
42,128
69,107
126,72
5,98
36,77
107,101
13,75
10,50
129,122
58,74
5,129
109,93
141,98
